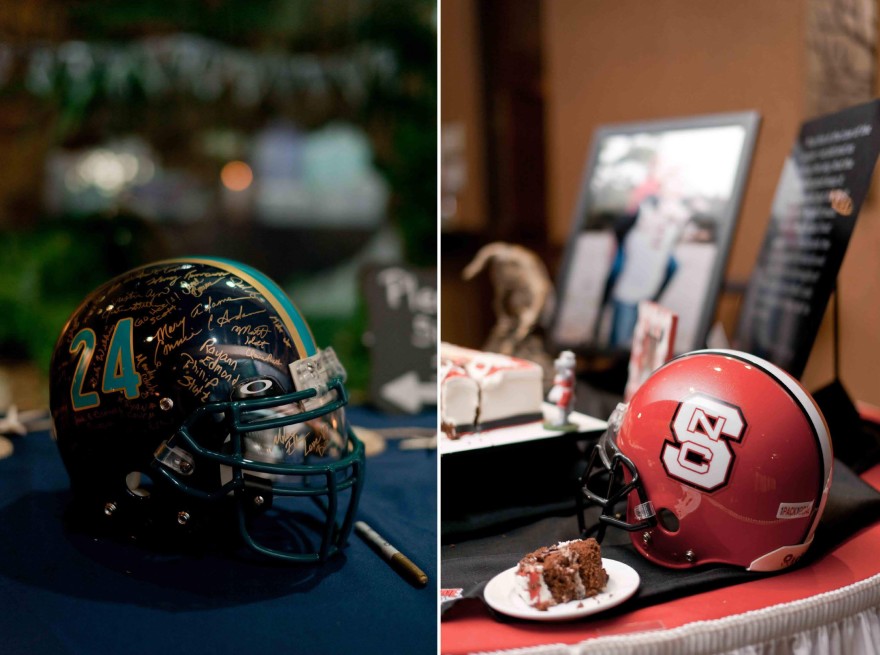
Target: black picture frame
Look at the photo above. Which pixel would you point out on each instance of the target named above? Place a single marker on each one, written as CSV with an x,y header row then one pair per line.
x,y
680,182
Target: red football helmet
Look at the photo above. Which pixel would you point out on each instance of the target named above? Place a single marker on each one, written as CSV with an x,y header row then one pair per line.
x,y
722,457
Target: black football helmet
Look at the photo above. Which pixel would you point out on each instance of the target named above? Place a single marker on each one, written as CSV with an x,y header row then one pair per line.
x,y
190,393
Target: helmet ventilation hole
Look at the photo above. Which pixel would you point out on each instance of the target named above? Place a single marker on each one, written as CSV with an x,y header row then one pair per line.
x,y
668,520
139,484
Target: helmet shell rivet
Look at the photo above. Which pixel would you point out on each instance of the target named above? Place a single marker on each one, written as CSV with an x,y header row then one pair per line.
x,y
690,556
646,538
110,509
259,500
183,518
166,404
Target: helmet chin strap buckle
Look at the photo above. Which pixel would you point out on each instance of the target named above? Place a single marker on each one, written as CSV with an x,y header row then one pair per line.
x,y
644,511
177,459
316,372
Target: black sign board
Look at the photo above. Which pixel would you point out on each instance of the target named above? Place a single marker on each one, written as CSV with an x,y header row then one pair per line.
x,y
402,337
820,192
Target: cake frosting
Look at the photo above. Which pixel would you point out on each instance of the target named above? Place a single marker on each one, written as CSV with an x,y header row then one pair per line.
x,y
551,575
482,391
460,398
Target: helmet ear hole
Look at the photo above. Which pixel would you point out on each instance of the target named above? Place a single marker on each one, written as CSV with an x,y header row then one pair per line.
x,y
668,520
139,484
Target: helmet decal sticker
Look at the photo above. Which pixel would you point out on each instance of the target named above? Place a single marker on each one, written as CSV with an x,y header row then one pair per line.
x,y
84,344
794,510
700,455
120,373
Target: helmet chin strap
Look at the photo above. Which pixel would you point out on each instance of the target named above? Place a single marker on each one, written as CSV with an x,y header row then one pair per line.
x,y
606,457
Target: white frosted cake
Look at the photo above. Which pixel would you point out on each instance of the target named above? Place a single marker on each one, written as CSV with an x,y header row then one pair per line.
x,y
460,398
551,575
482,391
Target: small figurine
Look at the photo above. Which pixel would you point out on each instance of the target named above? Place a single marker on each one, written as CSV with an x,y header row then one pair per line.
x,y
562,392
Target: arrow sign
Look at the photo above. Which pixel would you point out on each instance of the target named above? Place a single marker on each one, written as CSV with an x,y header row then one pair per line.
x,y
409,393
402,330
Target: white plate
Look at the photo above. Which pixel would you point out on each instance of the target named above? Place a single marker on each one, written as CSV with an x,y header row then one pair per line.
x,y
623,582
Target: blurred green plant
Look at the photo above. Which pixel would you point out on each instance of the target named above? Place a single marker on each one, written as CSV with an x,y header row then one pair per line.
x,y
47,270
406,113
45,274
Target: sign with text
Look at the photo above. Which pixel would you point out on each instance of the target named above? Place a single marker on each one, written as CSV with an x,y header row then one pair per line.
x,y
402,337
823,184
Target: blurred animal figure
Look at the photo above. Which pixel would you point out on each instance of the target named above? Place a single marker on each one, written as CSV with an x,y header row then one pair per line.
x,y
523,296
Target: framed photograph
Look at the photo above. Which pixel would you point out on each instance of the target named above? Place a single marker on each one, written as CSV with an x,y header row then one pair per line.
x,y
658,206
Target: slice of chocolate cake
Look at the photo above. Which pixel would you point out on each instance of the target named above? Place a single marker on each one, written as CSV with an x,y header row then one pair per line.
x,y
570,570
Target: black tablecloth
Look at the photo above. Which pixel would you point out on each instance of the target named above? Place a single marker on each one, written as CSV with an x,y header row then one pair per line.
x,y
470,564
68,593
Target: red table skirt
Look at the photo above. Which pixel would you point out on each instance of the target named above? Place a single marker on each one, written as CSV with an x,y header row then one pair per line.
x,y
469,627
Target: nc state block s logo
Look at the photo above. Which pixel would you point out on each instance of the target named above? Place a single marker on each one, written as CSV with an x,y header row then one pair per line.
x,y
700,454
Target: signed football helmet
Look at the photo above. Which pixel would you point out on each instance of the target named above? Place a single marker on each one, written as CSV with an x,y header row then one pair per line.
x,y
190,393
722,457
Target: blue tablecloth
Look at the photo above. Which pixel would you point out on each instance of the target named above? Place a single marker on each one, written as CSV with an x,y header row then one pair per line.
x,y
64,593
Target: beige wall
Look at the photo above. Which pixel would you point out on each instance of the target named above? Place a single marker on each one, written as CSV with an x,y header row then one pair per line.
x,y
461,102
610,61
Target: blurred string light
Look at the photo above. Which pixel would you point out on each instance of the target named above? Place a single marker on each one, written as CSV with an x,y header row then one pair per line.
x,y
321,178
119,173
236,176
109,171
324,177
192,64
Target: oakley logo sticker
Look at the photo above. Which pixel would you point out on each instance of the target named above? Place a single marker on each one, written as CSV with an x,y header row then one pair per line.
x,y
701,455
